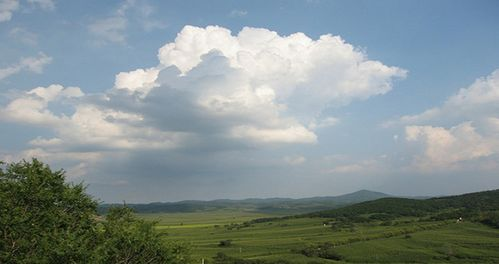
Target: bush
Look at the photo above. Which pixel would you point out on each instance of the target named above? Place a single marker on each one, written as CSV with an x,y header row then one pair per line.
x,y
225,243
126,239
490,218
221,258
43,219
324,250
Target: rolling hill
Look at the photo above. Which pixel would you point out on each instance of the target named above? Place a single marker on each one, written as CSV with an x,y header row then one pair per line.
x,y
479,206
266,205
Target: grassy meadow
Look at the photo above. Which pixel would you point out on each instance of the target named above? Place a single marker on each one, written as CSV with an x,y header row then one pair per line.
x,y
404,239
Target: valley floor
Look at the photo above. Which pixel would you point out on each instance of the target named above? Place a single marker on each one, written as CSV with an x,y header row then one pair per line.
x,y
400,240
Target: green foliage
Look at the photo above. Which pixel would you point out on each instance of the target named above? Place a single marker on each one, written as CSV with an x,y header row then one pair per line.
x,y
490,218
324,250
43,219
225,243
377,237
126,239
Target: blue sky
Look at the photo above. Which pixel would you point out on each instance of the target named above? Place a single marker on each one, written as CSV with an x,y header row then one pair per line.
x,y
171,100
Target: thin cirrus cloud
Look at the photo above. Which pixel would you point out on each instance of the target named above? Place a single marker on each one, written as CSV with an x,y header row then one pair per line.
x,y
113,29
238,13
8,7
43,4
211,89
474,131
24,36
31,64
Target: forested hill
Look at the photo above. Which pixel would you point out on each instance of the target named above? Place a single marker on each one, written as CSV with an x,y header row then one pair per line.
x,y
268,205
465,205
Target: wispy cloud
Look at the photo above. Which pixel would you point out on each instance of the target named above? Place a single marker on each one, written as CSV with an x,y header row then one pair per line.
x,y
7,7
32,64
24,36
113,29
294,160
43,4
238,13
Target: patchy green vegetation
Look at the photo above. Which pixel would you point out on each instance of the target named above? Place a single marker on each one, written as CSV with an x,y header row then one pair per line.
x,y
310,240
383,231
43,219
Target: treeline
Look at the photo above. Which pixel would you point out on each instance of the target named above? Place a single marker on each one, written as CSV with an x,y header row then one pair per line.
x,y
43,219
480,206
466,204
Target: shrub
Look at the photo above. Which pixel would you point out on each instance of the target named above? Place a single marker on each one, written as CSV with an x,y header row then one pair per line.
x,y
43,219
490,218
324,250
225,243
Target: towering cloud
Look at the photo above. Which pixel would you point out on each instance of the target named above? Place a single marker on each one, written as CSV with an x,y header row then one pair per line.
x,y
211,90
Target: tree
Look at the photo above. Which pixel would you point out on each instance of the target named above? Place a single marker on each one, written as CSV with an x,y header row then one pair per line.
x,y
43,219
130,240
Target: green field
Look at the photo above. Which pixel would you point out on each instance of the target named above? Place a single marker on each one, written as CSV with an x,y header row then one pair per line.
x,y
406,239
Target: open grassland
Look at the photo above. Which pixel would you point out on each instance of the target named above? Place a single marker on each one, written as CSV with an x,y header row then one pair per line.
x,y
203,218
405,239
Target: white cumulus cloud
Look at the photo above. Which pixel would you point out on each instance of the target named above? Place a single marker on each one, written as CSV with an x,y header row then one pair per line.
x,y
211,89
480,99
463,129
138,80
444,147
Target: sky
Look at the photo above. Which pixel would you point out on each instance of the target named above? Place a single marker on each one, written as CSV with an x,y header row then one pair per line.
x,y
171,100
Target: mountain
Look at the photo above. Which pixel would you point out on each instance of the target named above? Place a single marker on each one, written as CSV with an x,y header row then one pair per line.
x,y
267,205
355,197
